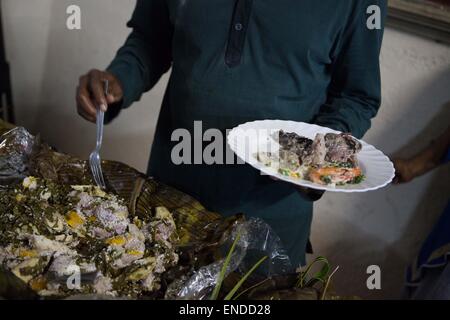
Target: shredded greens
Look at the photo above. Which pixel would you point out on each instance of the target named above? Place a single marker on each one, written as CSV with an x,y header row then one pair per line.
x,y
47,229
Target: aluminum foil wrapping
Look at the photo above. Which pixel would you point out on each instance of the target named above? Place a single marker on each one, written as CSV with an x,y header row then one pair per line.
x,y
16,146
257,239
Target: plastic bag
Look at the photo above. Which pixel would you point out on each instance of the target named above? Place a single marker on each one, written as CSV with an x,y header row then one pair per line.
x,y
16,146
257,239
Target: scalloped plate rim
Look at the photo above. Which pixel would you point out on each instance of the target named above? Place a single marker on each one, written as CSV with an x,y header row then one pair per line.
x,y
305,183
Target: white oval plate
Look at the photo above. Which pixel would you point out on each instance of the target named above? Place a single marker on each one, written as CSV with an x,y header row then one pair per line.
x,y
247,139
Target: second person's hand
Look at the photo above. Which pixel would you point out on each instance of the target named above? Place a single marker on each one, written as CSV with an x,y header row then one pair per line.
x,y
308,193
90,93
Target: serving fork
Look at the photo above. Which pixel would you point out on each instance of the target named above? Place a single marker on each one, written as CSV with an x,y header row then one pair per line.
x,y
95,162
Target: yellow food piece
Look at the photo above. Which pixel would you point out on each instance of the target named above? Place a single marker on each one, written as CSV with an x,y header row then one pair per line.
x,y
73,219
118,241
38,284
24,253
162,213
80,188
137,222
135,252
99,192
294,174
19,197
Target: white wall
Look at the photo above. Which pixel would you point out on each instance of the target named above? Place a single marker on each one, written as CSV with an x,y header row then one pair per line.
x,y
386,227
47,59
383,227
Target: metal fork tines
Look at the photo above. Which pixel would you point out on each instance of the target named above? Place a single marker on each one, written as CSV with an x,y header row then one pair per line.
x,y
94,159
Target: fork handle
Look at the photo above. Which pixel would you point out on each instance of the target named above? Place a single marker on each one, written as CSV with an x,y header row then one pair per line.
x,y
101,118
100,121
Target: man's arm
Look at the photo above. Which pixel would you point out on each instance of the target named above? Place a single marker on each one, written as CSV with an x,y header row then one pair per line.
x,y
425,161
137,67
354,94
147,53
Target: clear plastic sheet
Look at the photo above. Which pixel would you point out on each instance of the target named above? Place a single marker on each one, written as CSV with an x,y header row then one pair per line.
x,y
16,146
257,239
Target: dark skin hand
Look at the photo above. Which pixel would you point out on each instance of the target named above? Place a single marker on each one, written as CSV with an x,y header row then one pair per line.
x,y
91,93
423,162
309,194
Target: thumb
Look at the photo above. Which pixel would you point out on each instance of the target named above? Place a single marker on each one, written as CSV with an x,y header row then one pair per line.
x,y
115,93
112,98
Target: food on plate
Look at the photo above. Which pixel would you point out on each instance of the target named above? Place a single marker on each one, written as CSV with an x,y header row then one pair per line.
x,y
49,232
329,159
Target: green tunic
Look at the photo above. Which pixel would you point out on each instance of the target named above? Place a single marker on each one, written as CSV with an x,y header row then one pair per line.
x,y
235,61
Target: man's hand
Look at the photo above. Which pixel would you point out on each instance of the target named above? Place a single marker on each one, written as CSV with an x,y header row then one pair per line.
x,y
91,93
426,160
405,170
308,193
311,194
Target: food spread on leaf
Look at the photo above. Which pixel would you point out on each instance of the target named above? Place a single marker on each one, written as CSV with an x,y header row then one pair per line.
x,y
329,159
64,240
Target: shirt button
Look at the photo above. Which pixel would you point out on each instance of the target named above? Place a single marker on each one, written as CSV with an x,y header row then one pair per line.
x,y
238,26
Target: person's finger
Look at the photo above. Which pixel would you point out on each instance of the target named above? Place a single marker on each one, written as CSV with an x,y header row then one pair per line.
x,y
311,194
86,116
111,99
85,104
302,189
402,171
314,195
84,101
97,89
115,92
398,179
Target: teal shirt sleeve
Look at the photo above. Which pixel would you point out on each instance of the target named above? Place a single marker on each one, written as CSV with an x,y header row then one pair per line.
x,y
146,54
354,95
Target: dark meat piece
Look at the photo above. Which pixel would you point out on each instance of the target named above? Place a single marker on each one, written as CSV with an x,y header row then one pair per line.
x,y
341,148
294,143
330,148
